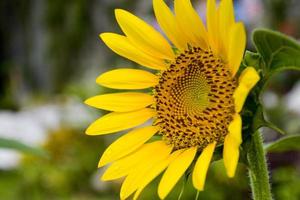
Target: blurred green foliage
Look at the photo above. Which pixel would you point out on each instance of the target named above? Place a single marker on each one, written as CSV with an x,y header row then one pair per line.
x,y
68,24
66,174
19,146
286,183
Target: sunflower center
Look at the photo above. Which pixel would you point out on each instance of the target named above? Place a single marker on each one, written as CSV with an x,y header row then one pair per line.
x,y
194,100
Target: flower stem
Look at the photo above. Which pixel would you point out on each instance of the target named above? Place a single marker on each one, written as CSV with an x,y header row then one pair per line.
x,y
182,189
258,171
197,195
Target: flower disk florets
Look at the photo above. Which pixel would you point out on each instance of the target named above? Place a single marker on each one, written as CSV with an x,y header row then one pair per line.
x,y
194,100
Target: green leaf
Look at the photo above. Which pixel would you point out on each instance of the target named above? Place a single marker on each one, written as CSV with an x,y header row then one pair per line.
x,y
268,42
277,51
290,143
16,145
285,58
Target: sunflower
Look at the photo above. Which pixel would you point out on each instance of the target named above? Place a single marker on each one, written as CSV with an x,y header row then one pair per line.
x,y
195,101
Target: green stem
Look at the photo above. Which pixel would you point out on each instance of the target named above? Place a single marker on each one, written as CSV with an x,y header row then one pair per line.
x,y
258,171
197,195
182,189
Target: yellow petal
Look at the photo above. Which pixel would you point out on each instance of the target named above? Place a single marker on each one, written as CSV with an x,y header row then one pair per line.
x,y
231,145
226,20
201,166
127,144
123,47
136,176
154,172
168,24
212,26
121,102
125,165
114,122
247,80
237,44
144,36
235,129
230,156
127,79
175,171
190,23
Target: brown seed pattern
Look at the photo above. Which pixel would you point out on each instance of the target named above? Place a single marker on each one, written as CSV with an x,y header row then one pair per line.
x,y
194,100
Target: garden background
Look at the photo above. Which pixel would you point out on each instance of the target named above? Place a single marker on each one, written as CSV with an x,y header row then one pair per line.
x,y
50,56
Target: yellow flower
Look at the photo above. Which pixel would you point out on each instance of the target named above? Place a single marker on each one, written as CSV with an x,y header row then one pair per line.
x,y
196,97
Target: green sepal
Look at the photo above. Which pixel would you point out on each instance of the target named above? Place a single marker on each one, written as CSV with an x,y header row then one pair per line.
x,y
252,59
18,146
259,121
290,143
155,138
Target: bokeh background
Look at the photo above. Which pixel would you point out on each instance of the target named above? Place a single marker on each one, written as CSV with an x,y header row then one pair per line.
x,y
50,56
